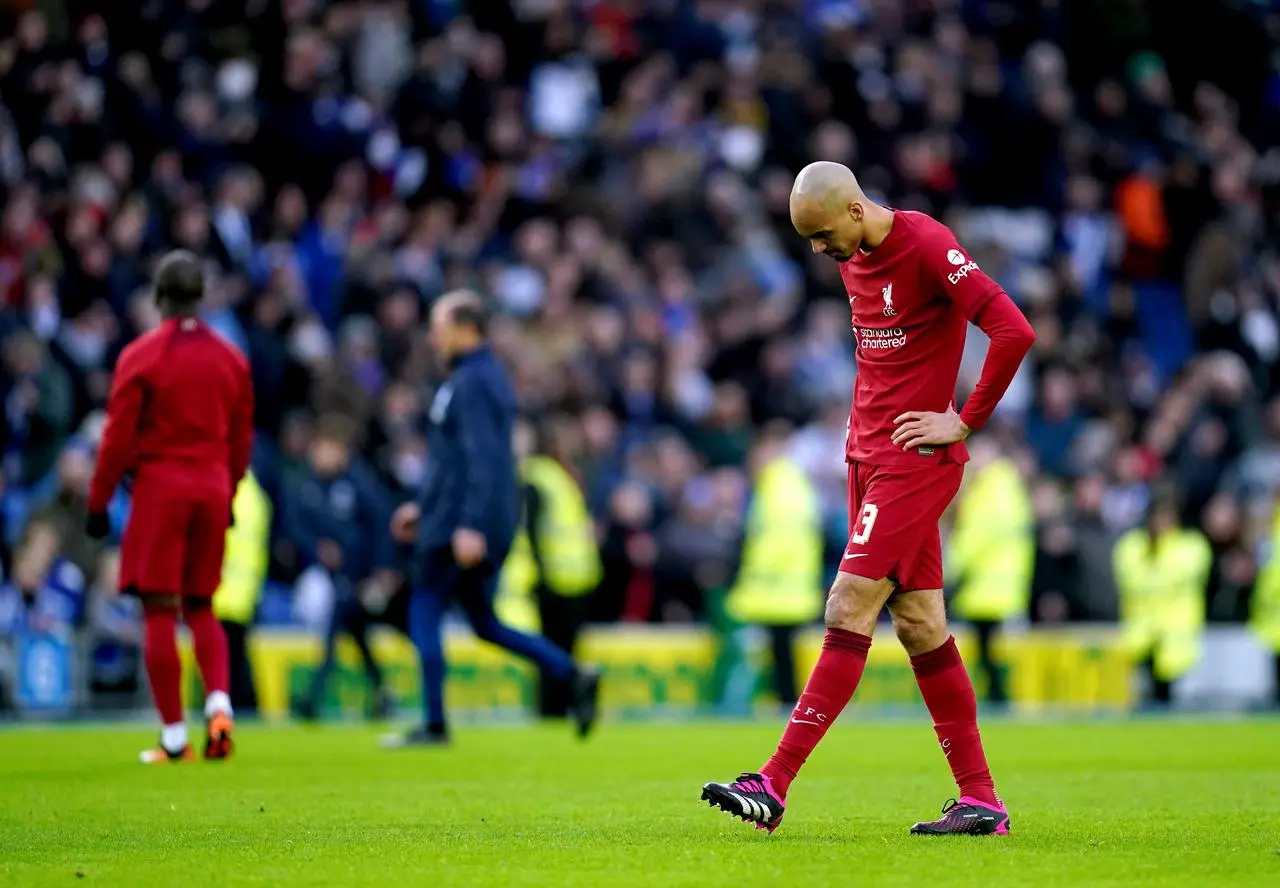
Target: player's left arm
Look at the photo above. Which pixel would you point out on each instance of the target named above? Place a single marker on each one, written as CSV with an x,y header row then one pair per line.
x,y
484,448
120,433
987,306
240,445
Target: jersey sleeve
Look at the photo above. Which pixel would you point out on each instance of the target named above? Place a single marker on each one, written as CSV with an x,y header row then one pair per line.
x,y
120,434
950,272
240,445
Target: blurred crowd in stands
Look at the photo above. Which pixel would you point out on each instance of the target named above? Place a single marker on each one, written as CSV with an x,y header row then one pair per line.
x,y
613,175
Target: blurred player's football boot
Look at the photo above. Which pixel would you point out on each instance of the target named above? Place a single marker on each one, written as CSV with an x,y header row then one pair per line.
x,y
218,745
966,817
158,755
586,697
382,705
419,736
750,798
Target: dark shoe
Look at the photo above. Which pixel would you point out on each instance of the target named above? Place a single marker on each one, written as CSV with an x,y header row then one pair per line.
x,y
382,705
751,798
585,708
419,736
967,817
305,709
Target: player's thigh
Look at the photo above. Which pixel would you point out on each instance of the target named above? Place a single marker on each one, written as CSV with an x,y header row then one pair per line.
x,y
888,525
154,547
205,547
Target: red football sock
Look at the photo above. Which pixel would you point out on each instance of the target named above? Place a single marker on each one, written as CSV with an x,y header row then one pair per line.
x,y
948,692
834,679
164,668
210,643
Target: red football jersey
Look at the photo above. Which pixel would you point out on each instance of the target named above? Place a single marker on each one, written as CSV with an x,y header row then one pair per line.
x,y
180,415
911,298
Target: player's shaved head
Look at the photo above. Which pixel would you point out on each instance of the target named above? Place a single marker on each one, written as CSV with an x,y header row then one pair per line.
x,y
179,282
825,185
829,207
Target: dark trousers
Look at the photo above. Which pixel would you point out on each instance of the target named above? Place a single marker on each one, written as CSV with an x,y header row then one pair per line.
x,y
562,619
349,618
782,640
444,582
244,696
986,632
1161,690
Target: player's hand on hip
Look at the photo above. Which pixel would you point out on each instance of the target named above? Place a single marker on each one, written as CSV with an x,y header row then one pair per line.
x,y
469,547
404,522
922,429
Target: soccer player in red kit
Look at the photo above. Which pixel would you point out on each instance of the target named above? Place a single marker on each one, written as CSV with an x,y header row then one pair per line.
x,y
912,291
180,423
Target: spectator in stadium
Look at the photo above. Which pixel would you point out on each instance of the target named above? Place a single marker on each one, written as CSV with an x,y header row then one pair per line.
x,y
67,507
244,571
115,638
990,552
547,581
1264,618
778,584
1162,571
334,513
39,407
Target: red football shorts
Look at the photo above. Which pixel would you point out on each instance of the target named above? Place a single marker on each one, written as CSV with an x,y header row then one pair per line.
x,y
173,545
893,522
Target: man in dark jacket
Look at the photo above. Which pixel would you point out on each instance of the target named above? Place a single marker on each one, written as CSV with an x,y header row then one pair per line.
x,y
464,522
333,512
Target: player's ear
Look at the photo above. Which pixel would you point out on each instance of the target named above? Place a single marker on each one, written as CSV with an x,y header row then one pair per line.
x,y
855,210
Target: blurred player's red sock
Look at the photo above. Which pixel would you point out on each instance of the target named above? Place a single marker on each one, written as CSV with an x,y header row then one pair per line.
x,y
948,692
164,668
210,643
834,679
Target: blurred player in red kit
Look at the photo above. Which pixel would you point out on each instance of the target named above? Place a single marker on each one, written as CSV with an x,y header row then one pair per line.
x,y
912,291
180,424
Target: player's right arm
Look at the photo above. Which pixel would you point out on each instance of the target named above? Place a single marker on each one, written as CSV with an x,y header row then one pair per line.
x,y
120,434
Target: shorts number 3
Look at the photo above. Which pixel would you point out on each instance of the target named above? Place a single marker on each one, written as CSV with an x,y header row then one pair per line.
x,y
866,521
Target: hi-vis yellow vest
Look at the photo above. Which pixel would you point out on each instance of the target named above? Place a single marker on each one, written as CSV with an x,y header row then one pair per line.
x,y
992,547
1162,596
244,566
1264,615
566,545
779,582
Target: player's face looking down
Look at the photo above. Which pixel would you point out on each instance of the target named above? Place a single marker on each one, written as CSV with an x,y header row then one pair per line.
x,y
836,233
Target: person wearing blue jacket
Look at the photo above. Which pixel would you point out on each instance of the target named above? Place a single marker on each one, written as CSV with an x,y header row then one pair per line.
x,y
465,520
333,511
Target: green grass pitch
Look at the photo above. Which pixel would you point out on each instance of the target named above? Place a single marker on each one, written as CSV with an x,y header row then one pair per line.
x,y
1135,803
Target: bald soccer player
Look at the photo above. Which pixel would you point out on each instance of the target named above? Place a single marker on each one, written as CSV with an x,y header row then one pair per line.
x,y
465,520
912,291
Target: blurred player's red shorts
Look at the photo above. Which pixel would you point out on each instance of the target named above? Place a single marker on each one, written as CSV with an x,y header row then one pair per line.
x,y
893,522
173,544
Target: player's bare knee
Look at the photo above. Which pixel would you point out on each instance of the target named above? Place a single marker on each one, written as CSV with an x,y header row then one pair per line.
x,y
919,621
854,602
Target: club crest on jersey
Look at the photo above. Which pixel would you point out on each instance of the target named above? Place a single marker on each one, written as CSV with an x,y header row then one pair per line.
x,y
887,295
955,257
